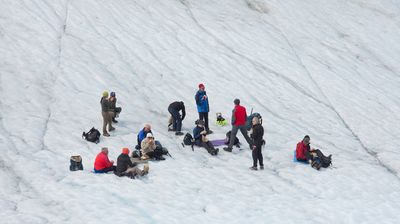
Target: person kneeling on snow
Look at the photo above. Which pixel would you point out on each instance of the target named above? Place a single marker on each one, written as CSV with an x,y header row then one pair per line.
x,y
102,164
200,137
125,167
149,148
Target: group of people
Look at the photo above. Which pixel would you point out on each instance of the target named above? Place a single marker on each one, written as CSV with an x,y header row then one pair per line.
x,y
109,111
148,148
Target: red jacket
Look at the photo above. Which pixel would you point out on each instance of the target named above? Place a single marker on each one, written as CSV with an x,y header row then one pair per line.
x,y
301,151
239,115
102,161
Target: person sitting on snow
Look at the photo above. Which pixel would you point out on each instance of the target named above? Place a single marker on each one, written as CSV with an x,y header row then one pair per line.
x,y
102,164
125,167
200,137
142,135
303,150
149,148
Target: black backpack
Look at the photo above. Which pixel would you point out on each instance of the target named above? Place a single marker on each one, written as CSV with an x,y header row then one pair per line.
x,y
250,119
228,138
76,163
188,140
92,136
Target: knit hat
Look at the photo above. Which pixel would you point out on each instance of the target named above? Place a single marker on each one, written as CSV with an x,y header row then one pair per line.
x,y
125,151
112,94
236,101
105,94
201,85
149,135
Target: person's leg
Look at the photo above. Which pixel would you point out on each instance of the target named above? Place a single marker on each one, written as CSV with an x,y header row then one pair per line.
x,y
201,116
260,156
110,116
254,155
175,117
135,171
245,135
108,169
233,135
178,123
205,115
104,115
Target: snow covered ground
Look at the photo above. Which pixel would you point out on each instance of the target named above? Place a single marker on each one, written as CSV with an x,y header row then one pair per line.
x,y
329,69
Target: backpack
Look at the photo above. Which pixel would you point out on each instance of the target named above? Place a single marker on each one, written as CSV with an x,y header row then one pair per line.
x,y
249,120
228,139
188,140
92,136
76,163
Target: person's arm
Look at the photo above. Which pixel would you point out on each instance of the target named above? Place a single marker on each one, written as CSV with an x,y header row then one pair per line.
x,y
183,112
233,116
197,98
196,133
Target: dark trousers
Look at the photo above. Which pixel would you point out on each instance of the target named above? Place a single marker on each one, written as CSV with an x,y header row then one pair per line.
x,y
257,155
157,153
234,132
207,145
204,116
106,170
176,119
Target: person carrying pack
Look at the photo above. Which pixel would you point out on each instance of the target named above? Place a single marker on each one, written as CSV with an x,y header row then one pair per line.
x,y
107,114
113,107
239,117
249,119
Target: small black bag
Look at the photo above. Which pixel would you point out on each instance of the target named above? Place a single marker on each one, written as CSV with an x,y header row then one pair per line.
x,y
188,139
228,138
92,136
76,163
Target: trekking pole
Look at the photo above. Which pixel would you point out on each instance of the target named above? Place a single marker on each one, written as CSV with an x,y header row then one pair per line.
x,y
169,155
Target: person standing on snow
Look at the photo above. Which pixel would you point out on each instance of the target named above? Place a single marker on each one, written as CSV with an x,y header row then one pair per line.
x,y
203,106
239,117
125,167
257,134
177,119
113,107
106,113
102,164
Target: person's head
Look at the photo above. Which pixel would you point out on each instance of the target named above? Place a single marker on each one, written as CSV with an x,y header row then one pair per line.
x,y
306,140
105,94
125,151
236,101
147,127
201,86
199,123
104,150
150,136
255,120
112,94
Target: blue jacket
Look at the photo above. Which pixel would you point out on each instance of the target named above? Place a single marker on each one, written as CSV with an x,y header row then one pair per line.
x,y
196,132
142,135
202,104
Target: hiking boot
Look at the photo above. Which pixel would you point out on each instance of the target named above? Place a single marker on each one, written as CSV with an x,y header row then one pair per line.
x,y
209,132
144,157
253,168
111,129
179,133
146,169
171,129
261,167
160,158
106,134
228,149
114,121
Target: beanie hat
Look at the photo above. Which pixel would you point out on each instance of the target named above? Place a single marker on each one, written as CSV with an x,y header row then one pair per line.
x,y
125,151
105,94
201,85
112,94
236,101
149,135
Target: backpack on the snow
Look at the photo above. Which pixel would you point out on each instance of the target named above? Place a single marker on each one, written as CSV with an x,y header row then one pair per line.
x,y
228,139
249,119
92,136
76,163
188,140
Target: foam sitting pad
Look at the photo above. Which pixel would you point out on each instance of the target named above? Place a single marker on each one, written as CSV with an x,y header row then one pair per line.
x,y
218,142
297,161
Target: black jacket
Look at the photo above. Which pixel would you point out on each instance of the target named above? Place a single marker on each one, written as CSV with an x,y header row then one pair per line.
x,y
178,106
123,163
257,135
